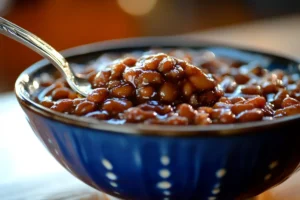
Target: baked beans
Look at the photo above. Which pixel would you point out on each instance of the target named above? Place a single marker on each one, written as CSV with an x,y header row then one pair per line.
x,y
177,88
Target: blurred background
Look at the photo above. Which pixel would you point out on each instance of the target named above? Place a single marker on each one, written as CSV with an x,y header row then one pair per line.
x,y
68,23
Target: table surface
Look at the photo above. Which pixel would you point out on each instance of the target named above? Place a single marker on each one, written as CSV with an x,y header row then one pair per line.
x,y
26,167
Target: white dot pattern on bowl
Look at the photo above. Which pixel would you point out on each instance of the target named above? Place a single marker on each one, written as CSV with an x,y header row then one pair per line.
x,y
271,167
111,176
267,177
221,173
165,160
164,173
107,164
164,185
273,164
216,189
114,184
212,198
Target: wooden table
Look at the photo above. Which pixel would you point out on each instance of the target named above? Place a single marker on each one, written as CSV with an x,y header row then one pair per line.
x,y
28,171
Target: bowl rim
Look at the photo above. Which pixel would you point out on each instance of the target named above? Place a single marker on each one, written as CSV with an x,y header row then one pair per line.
x,y
144,129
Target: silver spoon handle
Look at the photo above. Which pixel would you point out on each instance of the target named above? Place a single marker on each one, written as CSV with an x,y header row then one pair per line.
x,y
36,44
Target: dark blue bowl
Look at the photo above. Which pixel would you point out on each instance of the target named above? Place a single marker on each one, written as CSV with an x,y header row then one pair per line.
x,y
143,162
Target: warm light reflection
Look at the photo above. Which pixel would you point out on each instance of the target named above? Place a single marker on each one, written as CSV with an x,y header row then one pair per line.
x,y
137,7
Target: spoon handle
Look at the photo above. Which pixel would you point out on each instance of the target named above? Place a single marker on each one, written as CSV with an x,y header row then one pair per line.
x,y
39,46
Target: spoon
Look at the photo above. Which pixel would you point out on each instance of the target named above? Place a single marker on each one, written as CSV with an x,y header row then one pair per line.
x,y
7,28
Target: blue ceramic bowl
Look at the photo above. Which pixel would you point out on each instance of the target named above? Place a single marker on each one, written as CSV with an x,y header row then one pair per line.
x,y
143,162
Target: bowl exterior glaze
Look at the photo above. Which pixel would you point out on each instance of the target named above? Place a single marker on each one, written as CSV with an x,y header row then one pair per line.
x,y
137,167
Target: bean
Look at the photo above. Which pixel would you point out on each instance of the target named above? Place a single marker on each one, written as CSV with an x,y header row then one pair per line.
x,y
84,108
241,78
176,73
152,64
250,115
188,89
129,61
131,74
288,111
173,120
202,82
226,117
228,85
60,93
72,95
269,87
160,109
209,98
168,92
125,90
279,97
101,79
258,71
138,115
239,108
204,109
98,95
225,100
257,102
101,115
251,89
78,101
64,105
186,110
146,93
202,119
117,71
116,106
222,105
167,64
235,100
47,103
216,112
149,77
91,77
114,83
288,101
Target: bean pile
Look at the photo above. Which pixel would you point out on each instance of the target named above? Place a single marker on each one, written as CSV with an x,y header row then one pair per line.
x,y
178,89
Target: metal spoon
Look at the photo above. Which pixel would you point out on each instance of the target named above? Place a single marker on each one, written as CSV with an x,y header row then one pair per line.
x,y
80,85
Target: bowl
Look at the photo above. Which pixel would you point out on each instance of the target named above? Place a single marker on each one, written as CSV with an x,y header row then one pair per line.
x,y
141,162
